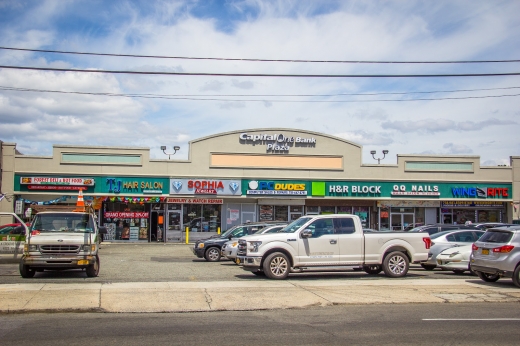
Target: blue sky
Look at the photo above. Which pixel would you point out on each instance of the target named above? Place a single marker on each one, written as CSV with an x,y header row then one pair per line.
x,y
304,30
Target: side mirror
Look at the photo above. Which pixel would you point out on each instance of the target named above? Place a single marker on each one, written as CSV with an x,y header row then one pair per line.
x,y
102,230
306,233
230,237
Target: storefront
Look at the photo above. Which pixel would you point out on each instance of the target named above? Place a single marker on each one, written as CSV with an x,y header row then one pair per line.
x,y
259,175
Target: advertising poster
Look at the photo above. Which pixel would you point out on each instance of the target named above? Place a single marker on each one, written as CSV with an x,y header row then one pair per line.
x,y
266,213
134,233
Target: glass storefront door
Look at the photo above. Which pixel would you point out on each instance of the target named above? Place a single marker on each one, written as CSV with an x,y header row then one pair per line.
x,y
174,227
401,220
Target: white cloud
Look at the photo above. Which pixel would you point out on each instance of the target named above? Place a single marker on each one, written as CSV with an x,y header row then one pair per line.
x,y
331,30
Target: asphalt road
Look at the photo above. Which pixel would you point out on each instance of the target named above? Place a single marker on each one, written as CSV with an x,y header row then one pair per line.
x,y
176,262
403,324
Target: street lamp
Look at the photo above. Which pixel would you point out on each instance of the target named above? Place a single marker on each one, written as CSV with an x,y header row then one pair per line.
x,y
373,152
163,148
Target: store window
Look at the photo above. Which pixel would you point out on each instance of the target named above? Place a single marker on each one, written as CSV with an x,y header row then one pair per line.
x,y
117,218
344,210
363,213
202,217
281,213
325,210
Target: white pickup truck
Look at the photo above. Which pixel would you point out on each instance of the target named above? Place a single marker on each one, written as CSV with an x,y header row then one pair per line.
x,y
330,242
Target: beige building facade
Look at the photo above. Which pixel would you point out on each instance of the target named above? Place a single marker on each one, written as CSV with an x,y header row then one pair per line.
x,y
250,175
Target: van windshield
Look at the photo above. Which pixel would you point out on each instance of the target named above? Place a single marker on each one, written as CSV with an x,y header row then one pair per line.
x,y
63,222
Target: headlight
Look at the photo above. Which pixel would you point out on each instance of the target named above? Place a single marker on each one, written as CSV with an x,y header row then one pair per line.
x,y
453,254
234,244
27,248
255,245
88,247
201,245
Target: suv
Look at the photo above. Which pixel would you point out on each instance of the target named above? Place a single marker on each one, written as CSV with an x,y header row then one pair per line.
x,y
436,228
497,254
210,248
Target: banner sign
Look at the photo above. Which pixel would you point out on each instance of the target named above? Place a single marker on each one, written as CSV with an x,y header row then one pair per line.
x,y
126,215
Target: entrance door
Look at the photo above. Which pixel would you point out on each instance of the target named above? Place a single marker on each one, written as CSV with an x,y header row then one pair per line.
x,y
400,220
174,228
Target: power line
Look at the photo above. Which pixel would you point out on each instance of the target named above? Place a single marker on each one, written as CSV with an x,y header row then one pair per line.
x,y
2,87
264,74
263,60
181,97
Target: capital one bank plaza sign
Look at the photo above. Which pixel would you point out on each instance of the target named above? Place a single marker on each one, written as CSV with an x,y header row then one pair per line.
x,y
277,142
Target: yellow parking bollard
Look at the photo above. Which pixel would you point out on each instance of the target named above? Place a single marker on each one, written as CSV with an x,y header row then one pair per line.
x,y
187,235
218,230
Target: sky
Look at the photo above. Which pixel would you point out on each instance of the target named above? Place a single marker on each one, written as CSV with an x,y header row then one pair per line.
x,y
477,115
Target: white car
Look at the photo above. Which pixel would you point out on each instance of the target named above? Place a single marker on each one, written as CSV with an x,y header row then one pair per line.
x,y
229,249
455,259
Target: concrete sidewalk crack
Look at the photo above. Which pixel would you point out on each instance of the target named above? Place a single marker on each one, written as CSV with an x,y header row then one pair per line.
x,y
209,300
311,292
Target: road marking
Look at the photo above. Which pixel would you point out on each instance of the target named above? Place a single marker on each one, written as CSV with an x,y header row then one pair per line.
x,y
471,319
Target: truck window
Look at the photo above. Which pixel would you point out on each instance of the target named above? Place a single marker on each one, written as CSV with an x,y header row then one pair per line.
x,y
321,227
344,225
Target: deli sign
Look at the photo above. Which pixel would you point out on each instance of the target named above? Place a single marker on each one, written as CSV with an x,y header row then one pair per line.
x,y
56,183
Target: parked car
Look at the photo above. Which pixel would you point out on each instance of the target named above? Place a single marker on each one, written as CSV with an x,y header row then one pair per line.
x,y
329,242
436,228
486,225
497,254
211,248
229,249
455,259
447,239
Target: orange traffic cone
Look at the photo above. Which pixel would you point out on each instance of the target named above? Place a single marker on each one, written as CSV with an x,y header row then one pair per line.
x,y
80,204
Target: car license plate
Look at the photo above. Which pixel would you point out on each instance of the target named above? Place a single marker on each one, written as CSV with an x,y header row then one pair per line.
x,y
485,251
82,262
237,261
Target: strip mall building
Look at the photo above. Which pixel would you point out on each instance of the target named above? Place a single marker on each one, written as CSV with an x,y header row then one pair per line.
x,y
256,175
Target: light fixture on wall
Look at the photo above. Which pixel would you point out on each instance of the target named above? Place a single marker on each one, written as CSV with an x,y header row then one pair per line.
x,y
163,148
373,152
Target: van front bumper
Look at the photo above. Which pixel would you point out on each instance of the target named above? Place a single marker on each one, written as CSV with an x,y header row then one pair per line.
x,y
54,261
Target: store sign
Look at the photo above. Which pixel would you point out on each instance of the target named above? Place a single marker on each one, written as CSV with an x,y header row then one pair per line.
x,y
56,183
415,190
205,187
126,215
263,187
472,204
479,192
277,142
195,200
134,185
412,190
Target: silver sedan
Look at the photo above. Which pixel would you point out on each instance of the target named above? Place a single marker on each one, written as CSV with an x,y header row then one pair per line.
x,y
448,239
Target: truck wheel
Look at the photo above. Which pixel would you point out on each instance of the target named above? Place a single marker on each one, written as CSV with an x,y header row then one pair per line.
x,y
428,266
93,269
26,272
276,266
516,276
212,254
395,264
488,277
372,269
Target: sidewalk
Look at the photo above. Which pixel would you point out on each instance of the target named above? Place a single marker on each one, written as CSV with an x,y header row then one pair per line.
x,y
258,295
